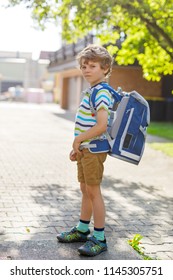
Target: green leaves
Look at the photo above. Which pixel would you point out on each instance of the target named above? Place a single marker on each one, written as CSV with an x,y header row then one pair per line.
x,y
135,242
147,25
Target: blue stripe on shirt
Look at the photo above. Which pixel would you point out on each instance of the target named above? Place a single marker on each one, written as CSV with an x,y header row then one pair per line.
x,y
87,108
85,125
85,119
86,101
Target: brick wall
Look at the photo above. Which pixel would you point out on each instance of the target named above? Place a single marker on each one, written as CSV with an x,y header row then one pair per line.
x,y
130,78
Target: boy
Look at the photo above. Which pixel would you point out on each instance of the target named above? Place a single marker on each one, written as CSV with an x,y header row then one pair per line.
x,y
95,64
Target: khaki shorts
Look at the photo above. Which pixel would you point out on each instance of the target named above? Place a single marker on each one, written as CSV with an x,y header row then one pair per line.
x,y
90,167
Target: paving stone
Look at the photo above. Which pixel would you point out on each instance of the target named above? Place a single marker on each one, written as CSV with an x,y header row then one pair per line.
x,y
52,250
40,193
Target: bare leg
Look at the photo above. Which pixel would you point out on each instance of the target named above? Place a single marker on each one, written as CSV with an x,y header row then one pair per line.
x,y
98,206
86,206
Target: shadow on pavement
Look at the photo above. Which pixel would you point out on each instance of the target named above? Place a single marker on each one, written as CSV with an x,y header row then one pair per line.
x,y
129,211
68,115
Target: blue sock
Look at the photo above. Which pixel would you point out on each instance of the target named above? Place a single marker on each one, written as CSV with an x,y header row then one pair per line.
x,y
83,226
99,234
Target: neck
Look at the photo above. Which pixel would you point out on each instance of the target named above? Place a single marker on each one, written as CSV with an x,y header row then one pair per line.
x,y
102,82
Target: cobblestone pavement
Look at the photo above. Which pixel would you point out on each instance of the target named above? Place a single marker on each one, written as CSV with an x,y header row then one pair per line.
x,y
39,193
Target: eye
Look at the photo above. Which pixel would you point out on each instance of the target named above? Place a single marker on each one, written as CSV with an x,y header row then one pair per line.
x,y
83,67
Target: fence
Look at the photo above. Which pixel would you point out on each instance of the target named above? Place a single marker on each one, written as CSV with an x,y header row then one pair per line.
x,y
161,110
68,52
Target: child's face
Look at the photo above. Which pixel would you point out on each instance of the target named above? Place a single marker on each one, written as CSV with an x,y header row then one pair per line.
x,y
92,72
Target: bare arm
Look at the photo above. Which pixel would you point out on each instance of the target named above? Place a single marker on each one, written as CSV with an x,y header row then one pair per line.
x,y
96,130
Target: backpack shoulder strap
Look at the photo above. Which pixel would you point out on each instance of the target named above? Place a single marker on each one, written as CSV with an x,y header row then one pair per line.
x,y
115,94
92,97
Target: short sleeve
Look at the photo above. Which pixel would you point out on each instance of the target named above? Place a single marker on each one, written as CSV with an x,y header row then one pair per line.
x,y
103,100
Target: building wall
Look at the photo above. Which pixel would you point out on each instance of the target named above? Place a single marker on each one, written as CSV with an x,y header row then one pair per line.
x,y
21,69
130,78
70,84
8,69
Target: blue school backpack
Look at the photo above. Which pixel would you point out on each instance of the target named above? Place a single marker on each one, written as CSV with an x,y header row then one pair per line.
x,y
126,132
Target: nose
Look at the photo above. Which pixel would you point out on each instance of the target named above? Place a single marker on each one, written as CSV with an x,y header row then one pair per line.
x,y
87,70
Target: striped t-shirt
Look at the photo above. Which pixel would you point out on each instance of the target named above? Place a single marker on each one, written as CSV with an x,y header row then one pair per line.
x,y
85,119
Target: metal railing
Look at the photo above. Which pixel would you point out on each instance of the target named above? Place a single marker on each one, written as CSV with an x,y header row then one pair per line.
x,y
69,51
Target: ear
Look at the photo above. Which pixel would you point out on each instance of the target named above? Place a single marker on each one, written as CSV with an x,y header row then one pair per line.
x,y
106,70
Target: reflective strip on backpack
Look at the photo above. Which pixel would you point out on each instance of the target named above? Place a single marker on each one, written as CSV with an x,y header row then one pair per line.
x,y
87,146
130,155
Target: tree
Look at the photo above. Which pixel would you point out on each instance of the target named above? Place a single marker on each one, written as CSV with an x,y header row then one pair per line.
x,y
132,30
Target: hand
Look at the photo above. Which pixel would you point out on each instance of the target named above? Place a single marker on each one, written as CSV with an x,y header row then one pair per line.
x,y
73,156
76,145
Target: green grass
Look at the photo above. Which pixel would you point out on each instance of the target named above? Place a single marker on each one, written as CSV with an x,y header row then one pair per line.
x,y
164,130
166,148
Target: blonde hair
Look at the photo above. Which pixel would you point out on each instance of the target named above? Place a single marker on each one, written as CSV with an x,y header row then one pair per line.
x,y
97,54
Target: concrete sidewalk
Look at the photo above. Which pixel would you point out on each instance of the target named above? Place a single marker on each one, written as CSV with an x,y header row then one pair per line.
x,y
39,193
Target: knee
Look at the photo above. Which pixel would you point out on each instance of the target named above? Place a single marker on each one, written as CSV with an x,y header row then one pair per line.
x,y
83,188
92,192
